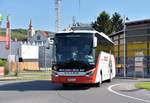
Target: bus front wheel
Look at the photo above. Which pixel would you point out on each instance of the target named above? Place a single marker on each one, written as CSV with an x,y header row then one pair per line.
x,y
98,84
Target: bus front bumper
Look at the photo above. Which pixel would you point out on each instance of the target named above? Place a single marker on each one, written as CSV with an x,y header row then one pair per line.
x,y
73,79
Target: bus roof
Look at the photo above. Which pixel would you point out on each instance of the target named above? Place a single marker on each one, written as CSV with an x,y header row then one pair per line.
x,y
87,31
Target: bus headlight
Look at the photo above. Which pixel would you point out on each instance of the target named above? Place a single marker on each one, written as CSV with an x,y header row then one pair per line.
x,y
90,73
54,73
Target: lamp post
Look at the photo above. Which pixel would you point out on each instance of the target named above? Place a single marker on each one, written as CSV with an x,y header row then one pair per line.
x,y
124,33
45,58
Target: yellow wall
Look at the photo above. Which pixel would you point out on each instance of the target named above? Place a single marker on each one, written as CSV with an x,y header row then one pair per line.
x,y
24,66
29,65
133,53
132,49
137,46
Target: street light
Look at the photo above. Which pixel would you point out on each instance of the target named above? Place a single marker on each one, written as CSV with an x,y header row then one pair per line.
x,y
124,33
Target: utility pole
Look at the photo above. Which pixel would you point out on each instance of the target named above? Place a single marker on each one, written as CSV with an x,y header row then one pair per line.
x,y
73,21
8,41
79,9
45,58
58,16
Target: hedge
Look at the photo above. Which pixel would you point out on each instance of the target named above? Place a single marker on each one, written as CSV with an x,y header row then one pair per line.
x,y
2,62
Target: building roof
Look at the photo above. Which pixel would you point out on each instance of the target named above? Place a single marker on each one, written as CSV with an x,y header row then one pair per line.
x,y
130,23
136,22
45,33
2,38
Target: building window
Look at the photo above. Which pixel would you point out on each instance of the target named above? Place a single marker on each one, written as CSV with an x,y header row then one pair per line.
x,y
116,42
121,36
38,37
116,37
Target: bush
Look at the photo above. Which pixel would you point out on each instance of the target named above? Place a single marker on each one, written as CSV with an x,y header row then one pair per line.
x,y
2,63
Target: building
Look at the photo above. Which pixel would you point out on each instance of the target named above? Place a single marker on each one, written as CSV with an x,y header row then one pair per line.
x,y
137,48
29,54
44,40
5,52
39,42
41,36
31,30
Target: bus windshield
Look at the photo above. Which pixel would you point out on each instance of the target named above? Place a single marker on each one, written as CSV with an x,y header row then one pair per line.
x,y
74,47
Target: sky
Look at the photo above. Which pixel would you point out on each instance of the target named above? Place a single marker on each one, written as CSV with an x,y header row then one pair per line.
x,y
42,12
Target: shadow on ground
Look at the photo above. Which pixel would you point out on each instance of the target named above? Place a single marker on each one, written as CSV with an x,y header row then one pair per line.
x,y
39,86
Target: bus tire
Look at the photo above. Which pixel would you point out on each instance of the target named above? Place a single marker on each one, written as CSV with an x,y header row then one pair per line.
x,y
109,80
98,84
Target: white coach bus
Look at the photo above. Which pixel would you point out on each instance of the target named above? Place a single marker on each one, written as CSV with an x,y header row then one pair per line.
x,y
83,57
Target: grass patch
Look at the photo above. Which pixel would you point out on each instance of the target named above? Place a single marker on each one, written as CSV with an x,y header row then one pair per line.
x,y
143,85
37,78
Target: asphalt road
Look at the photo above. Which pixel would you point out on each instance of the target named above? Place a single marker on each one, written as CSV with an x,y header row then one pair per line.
x,y
46,92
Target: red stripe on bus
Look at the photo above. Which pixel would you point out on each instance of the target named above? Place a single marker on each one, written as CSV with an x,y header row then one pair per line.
x,y
96,69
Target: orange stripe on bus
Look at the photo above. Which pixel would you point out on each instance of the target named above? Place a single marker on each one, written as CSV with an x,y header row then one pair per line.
x,y
96,70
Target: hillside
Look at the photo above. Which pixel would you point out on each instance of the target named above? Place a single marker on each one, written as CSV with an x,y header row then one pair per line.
x,y
19,34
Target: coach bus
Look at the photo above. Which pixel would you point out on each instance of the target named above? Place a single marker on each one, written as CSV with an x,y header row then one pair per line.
x,y
82,57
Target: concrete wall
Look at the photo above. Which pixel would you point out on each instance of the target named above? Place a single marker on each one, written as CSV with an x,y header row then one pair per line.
x,y
14,49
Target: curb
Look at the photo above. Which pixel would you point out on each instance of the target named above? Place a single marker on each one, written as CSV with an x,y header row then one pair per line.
x,y
9,78
21,78
132,78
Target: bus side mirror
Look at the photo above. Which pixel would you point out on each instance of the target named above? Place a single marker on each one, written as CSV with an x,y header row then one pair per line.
x,y
95,42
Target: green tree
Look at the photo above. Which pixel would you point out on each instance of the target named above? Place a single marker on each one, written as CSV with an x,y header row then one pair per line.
x,y
2,62
19,34
103,23
108,25
116,22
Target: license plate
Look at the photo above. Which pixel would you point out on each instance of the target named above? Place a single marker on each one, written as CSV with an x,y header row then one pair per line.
x,y
71,79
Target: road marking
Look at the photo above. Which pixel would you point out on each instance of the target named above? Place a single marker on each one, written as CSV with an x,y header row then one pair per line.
x,y
123,95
